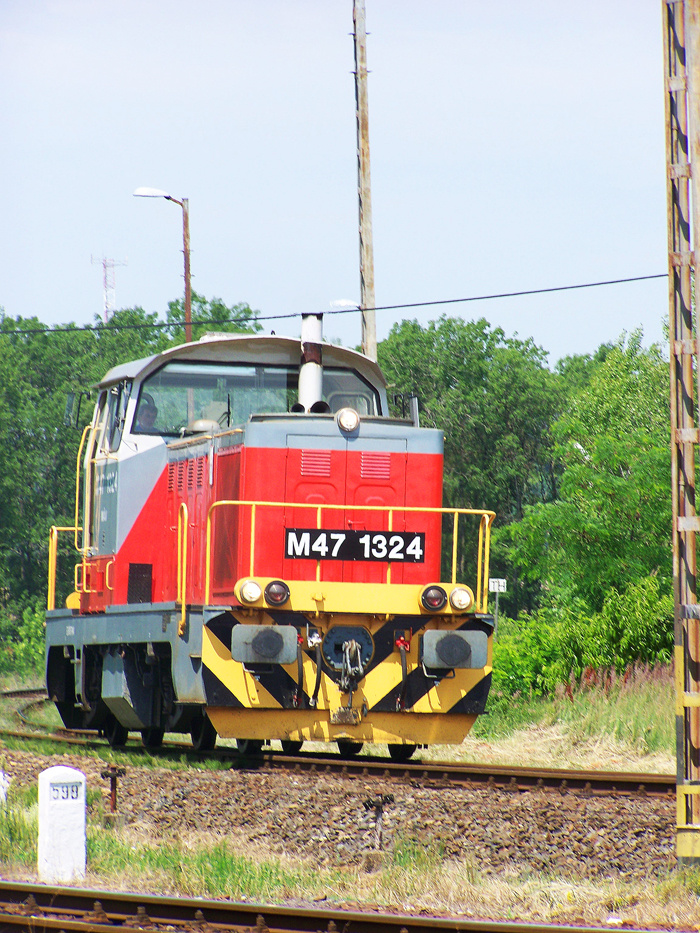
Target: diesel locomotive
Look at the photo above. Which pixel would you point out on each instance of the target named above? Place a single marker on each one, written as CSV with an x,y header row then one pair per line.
x,y
262,553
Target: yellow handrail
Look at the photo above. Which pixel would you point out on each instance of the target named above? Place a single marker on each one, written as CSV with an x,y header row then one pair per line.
x,y
78,471
484,549
486,518
53,559
182,523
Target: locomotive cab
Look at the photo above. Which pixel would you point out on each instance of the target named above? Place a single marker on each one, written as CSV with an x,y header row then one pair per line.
x,y
264,555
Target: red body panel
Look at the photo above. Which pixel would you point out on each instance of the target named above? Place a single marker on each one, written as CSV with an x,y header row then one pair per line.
x,y
314,476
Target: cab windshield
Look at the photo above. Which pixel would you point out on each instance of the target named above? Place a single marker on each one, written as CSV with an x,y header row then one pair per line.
x,y
180,394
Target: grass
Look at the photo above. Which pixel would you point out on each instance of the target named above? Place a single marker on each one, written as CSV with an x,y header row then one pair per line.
x,y
609,722
636,709
624,723
204,871
410,879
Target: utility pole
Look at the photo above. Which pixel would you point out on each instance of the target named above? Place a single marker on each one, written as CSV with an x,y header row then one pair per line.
x,y
369,328
681,23
185,205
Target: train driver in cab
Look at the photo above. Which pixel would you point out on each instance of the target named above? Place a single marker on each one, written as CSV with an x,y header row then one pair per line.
x,y
146,415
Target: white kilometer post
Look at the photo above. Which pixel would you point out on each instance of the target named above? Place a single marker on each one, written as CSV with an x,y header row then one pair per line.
x,y
62,851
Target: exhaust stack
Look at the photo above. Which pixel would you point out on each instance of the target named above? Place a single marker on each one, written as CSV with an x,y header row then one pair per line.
x,y
311,369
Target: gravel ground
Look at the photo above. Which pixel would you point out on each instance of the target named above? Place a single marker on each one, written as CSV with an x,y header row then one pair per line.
x,y
331,821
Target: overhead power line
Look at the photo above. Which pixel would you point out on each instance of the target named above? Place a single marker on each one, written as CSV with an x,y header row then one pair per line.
x,y
160,325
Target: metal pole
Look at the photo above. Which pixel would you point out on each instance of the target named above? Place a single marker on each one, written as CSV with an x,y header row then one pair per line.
x,y
367,301
188,282
681,85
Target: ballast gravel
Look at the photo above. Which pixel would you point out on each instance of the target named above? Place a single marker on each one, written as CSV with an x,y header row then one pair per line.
x,y
336,820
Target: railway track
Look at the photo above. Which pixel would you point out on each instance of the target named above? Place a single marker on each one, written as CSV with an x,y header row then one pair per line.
x,y
40,908
421,772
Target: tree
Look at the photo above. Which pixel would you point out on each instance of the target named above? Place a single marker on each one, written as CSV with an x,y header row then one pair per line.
x,y
38,368
493,396
611,525
495,399
576,371
208,315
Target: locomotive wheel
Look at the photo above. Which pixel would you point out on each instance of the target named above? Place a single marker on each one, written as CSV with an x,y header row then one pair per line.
x,y
152,738
348,748
203,734
291,748
249,746
115,733
401,752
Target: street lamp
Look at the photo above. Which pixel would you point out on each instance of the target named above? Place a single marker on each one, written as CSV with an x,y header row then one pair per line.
x,y
185,205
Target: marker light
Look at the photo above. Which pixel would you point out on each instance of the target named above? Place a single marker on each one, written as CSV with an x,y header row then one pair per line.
x,y
250,591
461,598
348,419
433,598
276,593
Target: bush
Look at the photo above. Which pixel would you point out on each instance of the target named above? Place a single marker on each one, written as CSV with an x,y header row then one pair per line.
x,y
22,634
535,653
30,645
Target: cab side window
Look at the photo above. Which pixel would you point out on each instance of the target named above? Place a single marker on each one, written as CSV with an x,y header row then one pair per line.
x,y
117,399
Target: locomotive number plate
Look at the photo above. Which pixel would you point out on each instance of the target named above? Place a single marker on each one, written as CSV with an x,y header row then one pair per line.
x,y
314,544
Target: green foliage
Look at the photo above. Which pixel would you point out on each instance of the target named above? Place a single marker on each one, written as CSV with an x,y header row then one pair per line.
x,y
493,396
211,871
576,371
29,650
636,625
18,828
413,854
536,653
634,708
611,523
524,654
210,315
37,479
495,399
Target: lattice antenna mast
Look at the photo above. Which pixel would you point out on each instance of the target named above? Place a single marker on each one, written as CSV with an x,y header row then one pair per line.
x,y
109,290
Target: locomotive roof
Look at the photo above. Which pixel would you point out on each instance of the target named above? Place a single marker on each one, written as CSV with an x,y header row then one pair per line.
x,y
244,348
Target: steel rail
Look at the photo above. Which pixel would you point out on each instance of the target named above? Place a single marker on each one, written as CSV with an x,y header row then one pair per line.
x,y
447,774
37,907
23,693
507,777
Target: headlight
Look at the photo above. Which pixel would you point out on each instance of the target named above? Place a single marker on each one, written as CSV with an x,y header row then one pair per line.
x,y
433,598
348,420
277,592
250,591
461,598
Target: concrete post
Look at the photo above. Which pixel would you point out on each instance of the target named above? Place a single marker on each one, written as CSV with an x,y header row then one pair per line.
x,y
62,850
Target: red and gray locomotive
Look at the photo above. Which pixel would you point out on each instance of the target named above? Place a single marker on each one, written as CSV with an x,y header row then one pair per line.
x,y
263,554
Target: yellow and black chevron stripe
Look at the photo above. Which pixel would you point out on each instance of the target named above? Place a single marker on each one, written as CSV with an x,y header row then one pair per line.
x,y
272,704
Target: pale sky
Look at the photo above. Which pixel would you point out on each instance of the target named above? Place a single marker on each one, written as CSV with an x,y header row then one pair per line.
x,y
513,146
